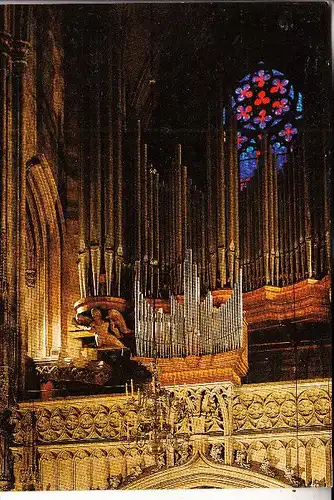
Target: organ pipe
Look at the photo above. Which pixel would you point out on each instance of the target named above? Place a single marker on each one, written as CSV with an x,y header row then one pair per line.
x,y
184,199
221,230
178,207
236,202
119,177
276,222
151,228
231,208
285,205
109,214
209,190
95,154
138,189
156,225
194,327
326,191
271,217
266,212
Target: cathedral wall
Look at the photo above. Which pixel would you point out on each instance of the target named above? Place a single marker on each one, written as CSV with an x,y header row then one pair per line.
x,y
50,86
84,441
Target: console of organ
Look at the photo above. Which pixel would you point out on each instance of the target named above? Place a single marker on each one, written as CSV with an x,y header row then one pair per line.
x,y
194,327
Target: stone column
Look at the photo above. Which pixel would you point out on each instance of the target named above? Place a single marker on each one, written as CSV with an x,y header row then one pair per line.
x,y
20,130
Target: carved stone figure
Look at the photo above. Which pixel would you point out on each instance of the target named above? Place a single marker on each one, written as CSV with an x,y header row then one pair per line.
x,y
217,453
113,482
241,459
184,453
135,472
117,323
102,335
266,467
291,477
160,461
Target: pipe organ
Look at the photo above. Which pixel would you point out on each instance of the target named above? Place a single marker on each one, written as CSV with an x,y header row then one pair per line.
x,y
267,225
101,198
281,240
193,326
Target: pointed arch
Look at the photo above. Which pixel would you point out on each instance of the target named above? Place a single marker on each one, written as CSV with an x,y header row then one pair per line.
x,y
200,472
45,227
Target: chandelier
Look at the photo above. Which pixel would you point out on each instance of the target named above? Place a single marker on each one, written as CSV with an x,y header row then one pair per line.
x,y
155,408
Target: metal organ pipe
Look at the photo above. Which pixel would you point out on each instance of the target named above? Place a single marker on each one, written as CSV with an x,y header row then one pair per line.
x,y
191,328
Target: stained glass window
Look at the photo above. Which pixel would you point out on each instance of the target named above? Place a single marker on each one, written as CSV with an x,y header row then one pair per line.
x,y
265,101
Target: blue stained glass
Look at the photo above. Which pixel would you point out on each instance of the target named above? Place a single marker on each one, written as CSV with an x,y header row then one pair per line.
x,y
245,78
249,154
224,116
250,126
281,160
291,92
288,108
247,168
279,148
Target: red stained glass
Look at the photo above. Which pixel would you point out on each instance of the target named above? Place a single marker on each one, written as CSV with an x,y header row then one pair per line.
x,y
261,99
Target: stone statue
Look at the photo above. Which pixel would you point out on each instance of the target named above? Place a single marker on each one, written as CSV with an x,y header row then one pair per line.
x,y
160,461
113,482
184,453
107,333
291,477
241,459
266,467
103,337
216,453
135,472
117,323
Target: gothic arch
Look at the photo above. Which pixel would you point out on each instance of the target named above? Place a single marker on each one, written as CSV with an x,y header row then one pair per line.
x,y
200,472
43,261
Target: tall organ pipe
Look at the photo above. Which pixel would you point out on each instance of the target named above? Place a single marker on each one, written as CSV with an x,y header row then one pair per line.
x,y
178,201
138,190
327,191
236,203
276,222
209,201
119,169
231,208
271,216
109,210
307,213
95,149
221,236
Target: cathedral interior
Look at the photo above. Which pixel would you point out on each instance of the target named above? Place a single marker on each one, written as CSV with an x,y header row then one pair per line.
x,y
165,251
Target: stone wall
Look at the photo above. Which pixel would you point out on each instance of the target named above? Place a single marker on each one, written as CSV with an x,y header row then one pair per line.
x,y
92,442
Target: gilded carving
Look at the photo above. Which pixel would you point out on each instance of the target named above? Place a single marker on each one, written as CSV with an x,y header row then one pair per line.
x,y
280,409
200,418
